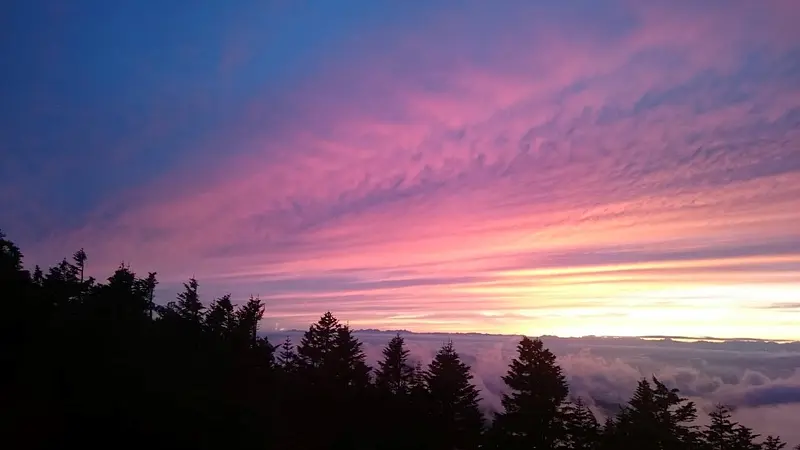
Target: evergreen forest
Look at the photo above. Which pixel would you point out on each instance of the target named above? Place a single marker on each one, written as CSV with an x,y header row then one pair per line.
x,y
101,363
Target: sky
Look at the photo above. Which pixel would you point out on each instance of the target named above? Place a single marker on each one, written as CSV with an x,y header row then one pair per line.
x,y
539,167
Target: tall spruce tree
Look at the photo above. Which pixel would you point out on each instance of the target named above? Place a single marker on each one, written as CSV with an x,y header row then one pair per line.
x,y
395,375
582,431
659,419
534,416
188,307
287,358
722,433
773,443
318,342
453,401
349,363
401,423
248,316
221,318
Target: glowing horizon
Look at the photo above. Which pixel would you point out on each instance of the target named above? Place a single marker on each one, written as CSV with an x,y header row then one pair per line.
x,y
614,168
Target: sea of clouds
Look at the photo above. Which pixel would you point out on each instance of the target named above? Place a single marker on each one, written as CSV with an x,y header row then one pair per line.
x,y
759,379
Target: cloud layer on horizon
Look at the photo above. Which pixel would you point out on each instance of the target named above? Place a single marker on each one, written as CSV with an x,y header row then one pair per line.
x,y
760,381
615,168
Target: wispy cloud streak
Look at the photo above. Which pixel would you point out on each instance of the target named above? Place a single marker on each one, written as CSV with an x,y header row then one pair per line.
x,y
617,169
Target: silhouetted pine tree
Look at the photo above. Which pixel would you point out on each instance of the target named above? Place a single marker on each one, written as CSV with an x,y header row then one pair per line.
x,y
455,417
221,319
534,407
38,276
724,434
287,358
773,443
582,431
400,424
348,361
608,435
658,419
149,287
248,317
395,375
188,307
318,342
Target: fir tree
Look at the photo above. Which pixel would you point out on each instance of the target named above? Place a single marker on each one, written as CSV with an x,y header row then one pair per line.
x,y
248,317
724,434
582,431
38,276
658,419
534,407
395,375
773,443
455,416
221,318
287,358
318,342
188,306
349,360
150,284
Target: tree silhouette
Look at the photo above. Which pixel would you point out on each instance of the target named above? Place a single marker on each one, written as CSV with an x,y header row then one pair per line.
x,y
724,434
395,375
658,418
773,443
400,396
582,431
318,342
455,416
189,306
534,416
287,358
221,318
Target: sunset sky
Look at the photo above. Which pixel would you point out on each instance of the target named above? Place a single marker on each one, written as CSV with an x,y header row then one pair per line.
x,y
541,167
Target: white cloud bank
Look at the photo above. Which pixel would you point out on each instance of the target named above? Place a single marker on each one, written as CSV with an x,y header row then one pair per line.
x,y
760,379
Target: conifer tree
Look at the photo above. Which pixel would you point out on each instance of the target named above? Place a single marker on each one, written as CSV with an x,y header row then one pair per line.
x,y
80,263
318,342
658,418
395,381
608,439
38,276
150,284
221,317
10,257
349,361
248,317
287,358
773,443
724,434
582,431
395,375
534,407
188,306
453,402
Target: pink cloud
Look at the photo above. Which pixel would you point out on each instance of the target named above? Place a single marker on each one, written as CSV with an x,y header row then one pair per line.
x,y
440,153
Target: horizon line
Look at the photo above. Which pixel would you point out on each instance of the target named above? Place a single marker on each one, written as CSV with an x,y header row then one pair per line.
x,y
708,339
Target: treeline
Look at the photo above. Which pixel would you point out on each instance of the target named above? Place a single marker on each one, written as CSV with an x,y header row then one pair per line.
x,y
90,363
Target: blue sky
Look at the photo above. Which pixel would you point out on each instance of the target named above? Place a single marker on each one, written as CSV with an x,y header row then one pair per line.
x,y
604,168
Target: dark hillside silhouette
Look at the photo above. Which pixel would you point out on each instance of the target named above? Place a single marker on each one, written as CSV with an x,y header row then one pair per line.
x,y
99,363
